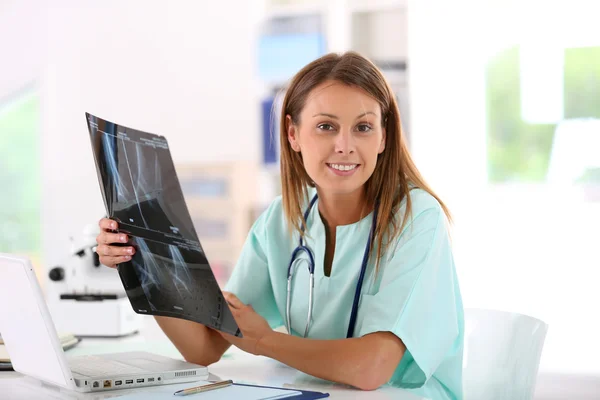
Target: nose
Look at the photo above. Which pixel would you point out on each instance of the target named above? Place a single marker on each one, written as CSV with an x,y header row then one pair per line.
x,y
344,142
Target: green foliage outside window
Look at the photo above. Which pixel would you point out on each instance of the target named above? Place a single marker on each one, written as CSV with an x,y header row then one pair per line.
x,y
20,177
519,151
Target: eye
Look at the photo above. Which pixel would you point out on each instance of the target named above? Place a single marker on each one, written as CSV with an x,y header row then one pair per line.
x,y
364,128
325,127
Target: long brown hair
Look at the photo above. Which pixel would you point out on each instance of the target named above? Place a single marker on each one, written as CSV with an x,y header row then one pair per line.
x,y
395,173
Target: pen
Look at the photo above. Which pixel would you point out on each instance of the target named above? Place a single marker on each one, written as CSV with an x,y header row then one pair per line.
x,y
203,388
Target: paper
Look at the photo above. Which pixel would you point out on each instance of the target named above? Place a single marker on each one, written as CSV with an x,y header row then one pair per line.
x,y
227,393
62,336
4,354
67,342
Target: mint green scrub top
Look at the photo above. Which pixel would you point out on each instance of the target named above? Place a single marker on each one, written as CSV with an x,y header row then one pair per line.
x,y
415,295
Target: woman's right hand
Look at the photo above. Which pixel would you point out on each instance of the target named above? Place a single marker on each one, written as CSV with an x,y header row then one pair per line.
x,y
110,245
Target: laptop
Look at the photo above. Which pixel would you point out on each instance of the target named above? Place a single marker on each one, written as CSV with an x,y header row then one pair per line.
x,y
35,350
169,274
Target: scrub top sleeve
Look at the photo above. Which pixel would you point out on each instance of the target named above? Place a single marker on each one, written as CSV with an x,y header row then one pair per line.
x,y
250,280
416,299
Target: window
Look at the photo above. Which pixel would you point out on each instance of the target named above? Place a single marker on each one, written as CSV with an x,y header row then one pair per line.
x,y
522,151
20,176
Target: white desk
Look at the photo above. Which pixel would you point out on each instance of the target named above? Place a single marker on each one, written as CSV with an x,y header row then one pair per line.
x,y
235,364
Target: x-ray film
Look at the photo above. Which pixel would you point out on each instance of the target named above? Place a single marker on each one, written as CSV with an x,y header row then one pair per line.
x,y
169,274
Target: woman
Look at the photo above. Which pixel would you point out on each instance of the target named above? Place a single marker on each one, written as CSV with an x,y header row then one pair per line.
x,y
355,204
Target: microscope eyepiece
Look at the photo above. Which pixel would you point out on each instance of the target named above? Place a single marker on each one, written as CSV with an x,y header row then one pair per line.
x,y
57,274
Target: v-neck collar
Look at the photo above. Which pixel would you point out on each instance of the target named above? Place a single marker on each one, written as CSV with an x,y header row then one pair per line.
x,y
343,233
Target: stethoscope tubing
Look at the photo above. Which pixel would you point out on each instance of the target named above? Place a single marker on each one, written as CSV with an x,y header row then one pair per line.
x,y
311,269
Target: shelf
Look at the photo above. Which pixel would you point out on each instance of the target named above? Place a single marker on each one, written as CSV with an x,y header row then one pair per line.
x,y
366,6
293,10
377,29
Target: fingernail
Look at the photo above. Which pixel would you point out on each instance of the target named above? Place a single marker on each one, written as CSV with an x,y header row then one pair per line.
x,y
113,225
122,238
128,258
130,250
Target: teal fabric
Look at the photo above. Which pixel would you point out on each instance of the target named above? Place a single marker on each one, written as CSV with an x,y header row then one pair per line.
x,y
415,295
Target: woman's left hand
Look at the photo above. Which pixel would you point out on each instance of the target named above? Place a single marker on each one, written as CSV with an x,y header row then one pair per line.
x,y
253,326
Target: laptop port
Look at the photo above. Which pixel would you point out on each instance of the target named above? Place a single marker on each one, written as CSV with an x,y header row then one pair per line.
x,y
150,379
129,381
96,384
118,383
141,380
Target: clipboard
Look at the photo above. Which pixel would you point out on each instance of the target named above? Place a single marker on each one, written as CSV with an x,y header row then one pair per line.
x,y
305,394
235,391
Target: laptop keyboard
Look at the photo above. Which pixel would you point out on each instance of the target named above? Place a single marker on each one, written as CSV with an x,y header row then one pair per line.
x,y
98,366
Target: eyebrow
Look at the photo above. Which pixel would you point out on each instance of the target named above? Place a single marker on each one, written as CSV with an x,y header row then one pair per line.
x,y
336,117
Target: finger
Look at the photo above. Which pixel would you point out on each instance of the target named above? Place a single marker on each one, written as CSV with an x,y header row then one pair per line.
x,y
113,251
113,261
115,238
226,336
233,300
108,224
236,312
108,238
230,338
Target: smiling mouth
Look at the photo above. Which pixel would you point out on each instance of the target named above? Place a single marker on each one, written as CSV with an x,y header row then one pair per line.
x,y
343,167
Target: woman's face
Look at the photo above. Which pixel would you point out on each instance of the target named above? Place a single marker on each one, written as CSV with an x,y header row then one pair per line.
x,y
339,136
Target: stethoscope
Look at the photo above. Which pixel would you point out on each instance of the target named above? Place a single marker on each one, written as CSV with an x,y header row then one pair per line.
x,y
311,270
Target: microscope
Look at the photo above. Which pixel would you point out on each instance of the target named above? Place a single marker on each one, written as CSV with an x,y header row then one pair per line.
x,y
87,298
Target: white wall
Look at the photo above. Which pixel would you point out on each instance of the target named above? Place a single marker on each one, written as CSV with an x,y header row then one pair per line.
x,y
181,69
22,25
528,249
446,81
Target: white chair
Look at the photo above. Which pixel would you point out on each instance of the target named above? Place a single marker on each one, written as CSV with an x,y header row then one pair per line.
x,y
502,355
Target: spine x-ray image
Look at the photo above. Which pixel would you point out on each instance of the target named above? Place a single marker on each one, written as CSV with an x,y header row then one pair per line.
x,y
169,274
